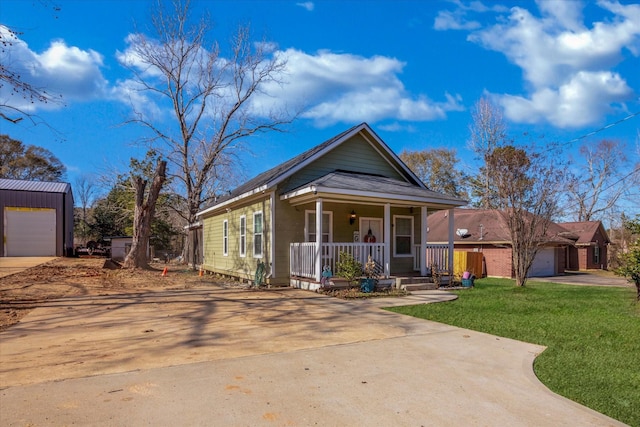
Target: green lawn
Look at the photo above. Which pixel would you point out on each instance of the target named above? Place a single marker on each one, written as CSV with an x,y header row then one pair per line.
x,y
592,336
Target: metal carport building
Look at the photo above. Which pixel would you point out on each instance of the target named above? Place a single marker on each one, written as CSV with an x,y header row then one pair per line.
x,y
37,218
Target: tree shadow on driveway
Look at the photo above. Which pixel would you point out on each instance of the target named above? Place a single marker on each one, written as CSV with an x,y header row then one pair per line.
x,y
91,335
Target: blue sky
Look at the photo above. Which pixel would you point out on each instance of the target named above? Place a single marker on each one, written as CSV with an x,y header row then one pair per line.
x,y
412,69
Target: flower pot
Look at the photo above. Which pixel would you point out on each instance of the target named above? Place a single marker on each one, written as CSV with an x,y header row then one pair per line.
x,y
367,285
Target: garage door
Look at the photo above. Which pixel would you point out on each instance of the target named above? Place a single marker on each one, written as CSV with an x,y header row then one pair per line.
x,y
544,263
30,232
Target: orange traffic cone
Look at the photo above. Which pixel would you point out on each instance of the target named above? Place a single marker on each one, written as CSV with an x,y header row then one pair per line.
x,y
200,274
164,272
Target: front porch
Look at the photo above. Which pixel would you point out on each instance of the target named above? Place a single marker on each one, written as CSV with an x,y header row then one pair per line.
x,y
307,259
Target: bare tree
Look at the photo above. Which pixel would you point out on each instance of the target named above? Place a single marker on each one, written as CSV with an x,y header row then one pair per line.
x,y
488,132
603,182
11,110
526,185
144,211
210,97
84,190
437,168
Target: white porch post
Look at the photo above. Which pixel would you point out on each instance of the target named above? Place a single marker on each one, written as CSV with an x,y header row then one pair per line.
x,y
451,234
387,240
423,241
318,239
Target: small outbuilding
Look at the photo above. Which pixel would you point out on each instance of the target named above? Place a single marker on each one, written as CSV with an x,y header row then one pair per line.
x,y
120,247
37,218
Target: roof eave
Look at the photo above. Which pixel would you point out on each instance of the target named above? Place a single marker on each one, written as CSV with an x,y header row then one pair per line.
x,y
306,194
260,190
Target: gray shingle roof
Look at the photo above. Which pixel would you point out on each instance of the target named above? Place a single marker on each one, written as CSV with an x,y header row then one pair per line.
x,y
375,184
282,168
35,186
275,175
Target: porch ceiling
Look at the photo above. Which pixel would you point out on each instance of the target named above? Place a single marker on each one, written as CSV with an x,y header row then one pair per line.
x,y
364,188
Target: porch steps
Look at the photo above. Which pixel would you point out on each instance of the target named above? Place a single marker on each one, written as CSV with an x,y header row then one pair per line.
x,y
418,286
418,283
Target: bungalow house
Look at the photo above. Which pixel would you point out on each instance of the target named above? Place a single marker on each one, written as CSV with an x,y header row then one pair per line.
x,y
591,243
351,194
485,231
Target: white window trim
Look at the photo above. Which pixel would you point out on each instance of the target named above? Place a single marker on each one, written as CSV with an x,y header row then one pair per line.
x,y
225,237
243,236
261,254
395,235
308,227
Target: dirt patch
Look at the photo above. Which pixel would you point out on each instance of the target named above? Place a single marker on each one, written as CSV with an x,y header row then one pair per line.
x,y
64,277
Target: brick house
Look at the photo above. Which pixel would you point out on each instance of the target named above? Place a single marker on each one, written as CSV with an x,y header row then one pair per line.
x,y
591,244
484,230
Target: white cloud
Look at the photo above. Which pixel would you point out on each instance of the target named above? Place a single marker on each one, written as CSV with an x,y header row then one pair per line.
x,y
68,71
447,20
559,54
579,102
349,88
307,5
458,19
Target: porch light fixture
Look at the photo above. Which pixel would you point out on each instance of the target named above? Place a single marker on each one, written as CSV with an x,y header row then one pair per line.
x,y
352,217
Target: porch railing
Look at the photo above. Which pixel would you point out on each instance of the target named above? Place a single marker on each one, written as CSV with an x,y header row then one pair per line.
x,y
436,256
303,256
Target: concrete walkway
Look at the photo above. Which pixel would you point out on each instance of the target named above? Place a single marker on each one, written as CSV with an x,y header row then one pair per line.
x,y
290,357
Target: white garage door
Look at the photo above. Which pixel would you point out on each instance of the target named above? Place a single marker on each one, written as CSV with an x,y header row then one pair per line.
x,y
544,263
30,232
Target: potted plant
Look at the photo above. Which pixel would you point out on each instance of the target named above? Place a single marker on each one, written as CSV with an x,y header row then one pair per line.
x,y
368,284
348,267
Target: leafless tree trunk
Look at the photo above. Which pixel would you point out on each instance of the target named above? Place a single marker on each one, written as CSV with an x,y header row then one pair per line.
x,y
210,97
145,206
488,132
527,186
84,190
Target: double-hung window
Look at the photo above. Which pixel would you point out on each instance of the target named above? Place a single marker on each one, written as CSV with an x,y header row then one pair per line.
x,y
225,237
403,235
257,234
310,227
243,236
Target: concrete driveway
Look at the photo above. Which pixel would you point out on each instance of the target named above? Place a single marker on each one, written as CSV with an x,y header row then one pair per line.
x,y
239,358
12,265
586,278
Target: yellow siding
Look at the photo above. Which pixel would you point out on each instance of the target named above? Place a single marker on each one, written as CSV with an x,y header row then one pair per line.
x,y
233,263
